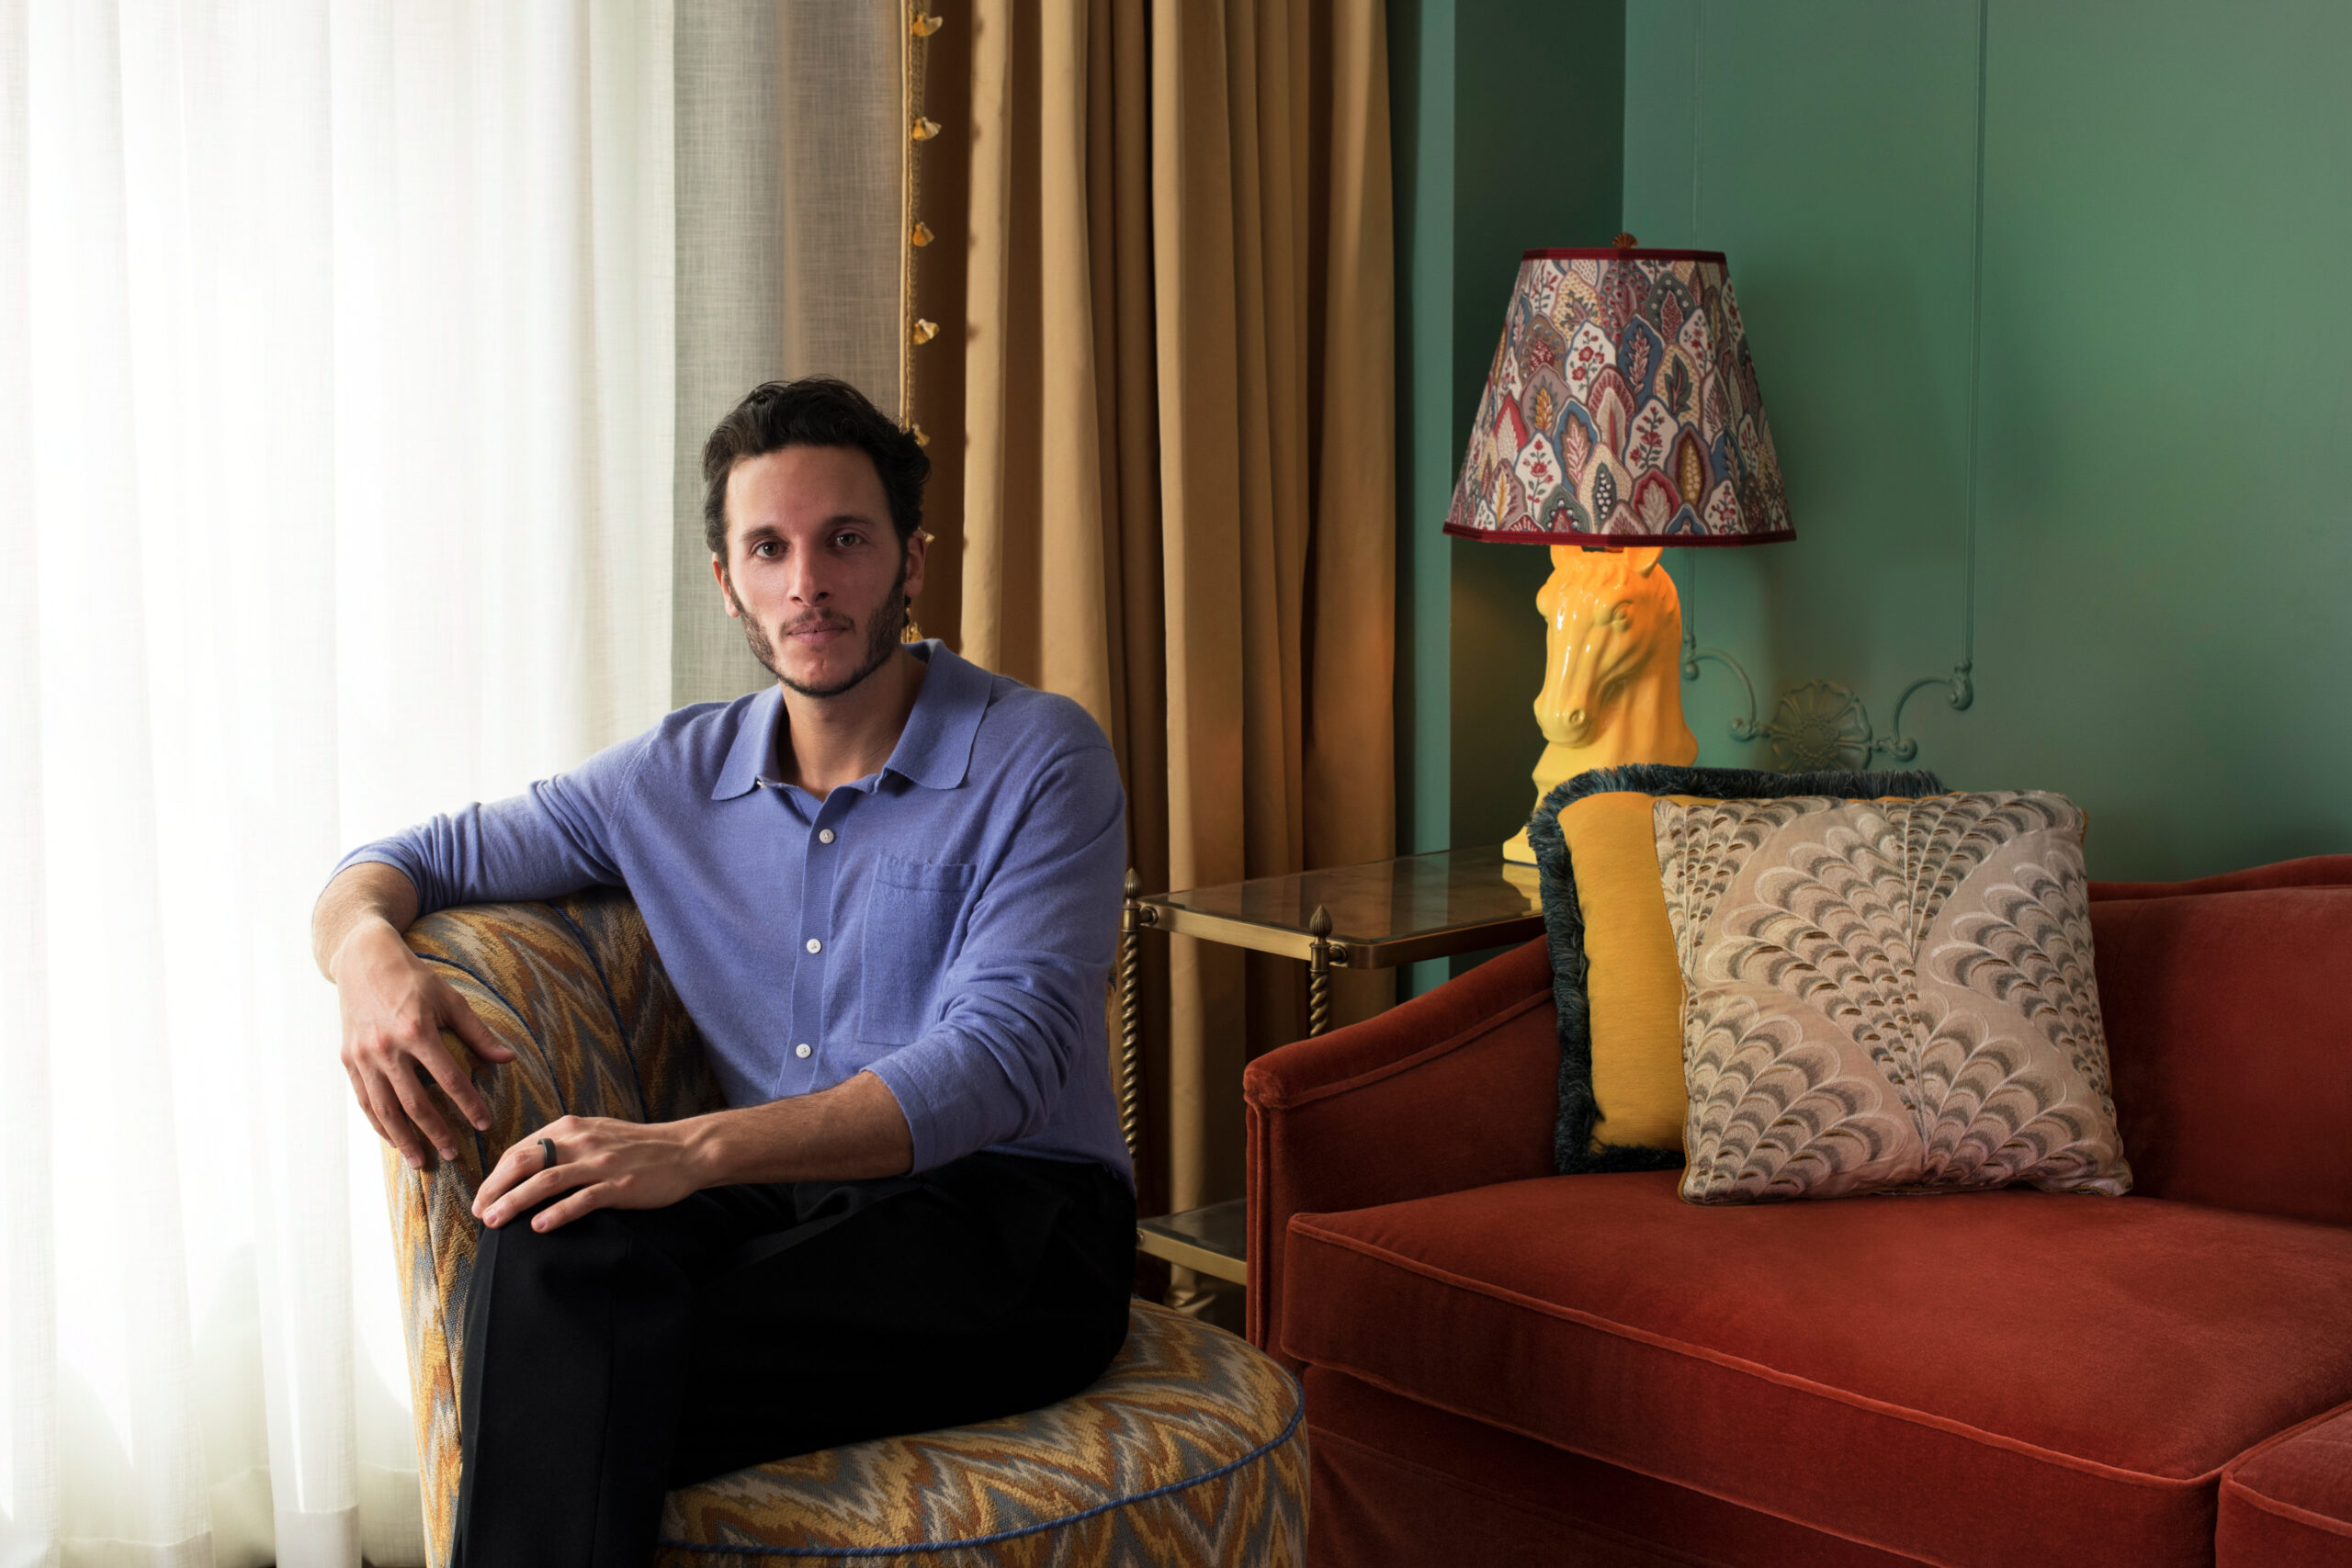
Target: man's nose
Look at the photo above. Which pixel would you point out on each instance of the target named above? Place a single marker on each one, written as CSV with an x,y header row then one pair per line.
x,y
809,583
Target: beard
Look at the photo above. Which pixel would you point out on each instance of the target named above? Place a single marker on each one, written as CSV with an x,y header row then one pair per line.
x,y
889,623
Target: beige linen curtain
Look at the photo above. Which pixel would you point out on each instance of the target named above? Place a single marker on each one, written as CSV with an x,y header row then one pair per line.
x,y
788,148
1178,499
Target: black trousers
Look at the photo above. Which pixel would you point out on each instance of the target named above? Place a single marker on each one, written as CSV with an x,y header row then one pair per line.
x,y
635,1351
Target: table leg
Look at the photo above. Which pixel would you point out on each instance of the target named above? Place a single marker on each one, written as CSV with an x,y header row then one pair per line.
x,y
1319,973
1131,1020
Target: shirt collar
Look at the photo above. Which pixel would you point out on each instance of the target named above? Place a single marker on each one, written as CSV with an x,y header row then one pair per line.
x,y
754,745
933,751
935,748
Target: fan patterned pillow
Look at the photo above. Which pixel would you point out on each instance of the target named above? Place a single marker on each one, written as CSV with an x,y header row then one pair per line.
x,y
1886,995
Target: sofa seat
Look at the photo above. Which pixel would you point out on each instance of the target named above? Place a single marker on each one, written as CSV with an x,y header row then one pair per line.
x,y
1399,1482
1980,1378
2288,1504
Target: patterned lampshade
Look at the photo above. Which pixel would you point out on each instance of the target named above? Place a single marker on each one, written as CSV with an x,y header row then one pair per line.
x,y
1622,409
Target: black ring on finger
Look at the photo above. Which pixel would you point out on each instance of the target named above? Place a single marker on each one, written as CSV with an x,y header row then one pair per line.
x,y
547,1147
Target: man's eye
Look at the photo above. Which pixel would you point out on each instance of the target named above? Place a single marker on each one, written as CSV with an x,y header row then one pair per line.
x,y
764,548
849,538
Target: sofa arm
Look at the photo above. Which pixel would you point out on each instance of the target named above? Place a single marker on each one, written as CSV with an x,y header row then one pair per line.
x,y
663,1053
1454,1090
573,990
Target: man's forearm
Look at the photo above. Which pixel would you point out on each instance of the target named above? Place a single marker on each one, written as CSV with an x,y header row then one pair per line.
x,y
362,894
851,1130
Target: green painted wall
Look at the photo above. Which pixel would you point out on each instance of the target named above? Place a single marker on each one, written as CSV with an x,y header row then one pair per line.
x,y
1508,125
1470,197
1420,107
2161,529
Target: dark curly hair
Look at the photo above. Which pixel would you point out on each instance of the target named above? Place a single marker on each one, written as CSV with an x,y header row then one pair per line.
x,y
816,411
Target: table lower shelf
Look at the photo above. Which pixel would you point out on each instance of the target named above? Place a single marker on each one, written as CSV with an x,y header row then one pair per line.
x,y
1213,1240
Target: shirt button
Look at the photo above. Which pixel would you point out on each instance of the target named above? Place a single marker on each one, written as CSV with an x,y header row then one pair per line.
x,y
815,946
824,835
800,1050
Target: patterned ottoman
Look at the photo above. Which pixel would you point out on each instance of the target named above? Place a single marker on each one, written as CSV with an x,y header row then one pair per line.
x,y
1191,1451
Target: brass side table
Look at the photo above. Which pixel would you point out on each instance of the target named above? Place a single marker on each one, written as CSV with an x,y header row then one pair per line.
x,y
1376,916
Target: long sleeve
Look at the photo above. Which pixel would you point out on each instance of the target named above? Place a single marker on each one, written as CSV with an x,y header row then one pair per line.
x,y
1026,990
556,837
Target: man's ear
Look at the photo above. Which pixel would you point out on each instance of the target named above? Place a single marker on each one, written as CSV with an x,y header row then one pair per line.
x,y
917,544
726,589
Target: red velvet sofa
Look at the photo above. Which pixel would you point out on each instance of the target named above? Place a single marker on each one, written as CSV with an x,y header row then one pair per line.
x,y
1503,1365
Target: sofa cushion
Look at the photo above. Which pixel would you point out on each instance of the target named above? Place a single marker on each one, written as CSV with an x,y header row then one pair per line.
x,y
2229,1033
1886,994
1402,1483
2288,1503
1643,1057
1633,986
2008,1376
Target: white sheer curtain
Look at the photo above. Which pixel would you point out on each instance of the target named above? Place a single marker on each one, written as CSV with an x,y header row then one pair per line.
x,y
335,444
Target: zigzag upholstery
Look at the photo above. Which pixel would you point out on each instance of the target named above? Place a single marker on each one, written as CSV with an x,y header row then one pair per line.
x,y
1189,1450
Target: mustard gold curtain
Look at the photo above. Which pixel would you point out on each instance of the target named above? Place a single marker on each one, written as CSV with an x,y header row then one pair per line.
x,y
1177,472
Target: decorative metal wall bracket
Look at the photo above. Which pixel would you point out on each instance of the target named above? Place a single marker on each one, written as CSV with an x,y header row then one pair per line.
x,y
1820,724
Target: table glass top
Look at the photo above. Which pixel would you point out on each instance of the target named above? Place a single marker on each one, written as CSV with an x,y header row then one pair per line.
x,y
1382,902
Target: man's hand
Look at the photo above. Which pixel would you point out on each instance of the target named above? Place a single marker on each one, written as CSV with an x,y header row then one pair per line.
x,y
394,1009
603,1163
852,1131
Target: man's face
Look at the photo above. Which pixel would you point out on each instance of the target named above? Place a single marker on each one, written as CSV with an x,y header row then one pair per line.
x,y
813,568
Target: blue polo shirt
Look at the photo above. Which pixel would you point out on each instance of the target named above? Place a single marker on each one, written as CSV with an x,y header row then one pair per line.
x,y
947,923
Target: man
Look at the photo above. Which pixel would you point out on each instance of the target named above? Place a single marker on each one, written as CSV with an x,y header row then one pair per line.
x,y
887,889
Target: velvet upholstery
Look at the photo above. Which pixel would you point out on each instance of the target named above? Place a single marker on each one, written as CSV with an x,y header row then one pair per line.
x,y
2229,1026
1453,1089
2075,1372
1393,1479
2288,1504
1503,1365
2312,870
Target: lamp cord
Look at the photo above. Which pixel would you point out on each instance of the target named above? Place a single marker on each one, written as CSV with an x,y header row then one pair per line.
x,y
1975,375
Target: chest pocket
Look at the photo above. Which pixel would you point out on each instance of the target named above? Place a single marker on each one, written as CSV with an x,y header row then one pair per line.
x,y
911,907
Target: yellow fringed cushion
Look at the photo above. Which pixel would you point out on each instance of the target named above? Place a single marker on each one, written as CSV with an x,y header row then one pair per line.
x,y
1633,983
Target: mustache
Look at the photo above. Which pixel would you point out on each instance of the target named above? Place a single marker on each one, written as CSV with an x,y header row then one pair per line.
x,y
817,620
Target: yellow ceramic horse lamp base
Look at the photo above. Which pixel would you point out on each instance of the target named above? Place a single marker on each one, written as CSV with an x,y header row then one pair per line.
x,y
1612,678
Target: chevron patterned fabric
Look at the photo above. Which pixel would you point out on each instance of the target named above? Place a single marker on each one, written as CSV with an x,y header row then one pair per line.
x,y
1191,1449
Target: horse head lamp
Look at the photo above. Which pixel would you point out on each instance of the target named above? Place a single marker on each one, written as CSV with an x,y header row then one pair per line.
x,y
1621,416
1610,624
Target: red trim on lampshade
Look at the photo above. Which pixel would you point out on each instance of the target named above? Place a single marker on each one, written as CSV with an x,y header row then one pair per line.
x,y
1631,253
1617,541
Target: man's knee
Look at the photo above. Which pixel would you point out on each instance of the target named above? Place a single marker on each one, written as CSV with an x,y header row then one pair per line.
x,y
584,1254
